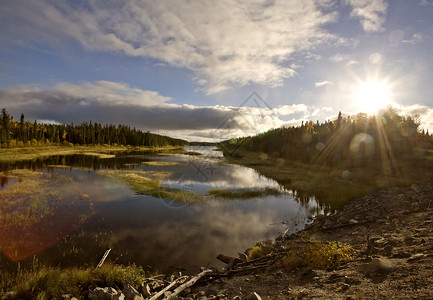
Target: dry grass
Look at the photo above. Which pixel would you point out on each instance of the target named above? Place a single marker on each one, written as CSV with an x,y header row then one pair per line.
x,y
47,283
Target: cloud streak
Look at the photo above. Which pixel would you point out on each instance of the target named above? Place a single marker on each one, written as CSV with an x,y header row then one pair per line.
x,y
225,43
371,13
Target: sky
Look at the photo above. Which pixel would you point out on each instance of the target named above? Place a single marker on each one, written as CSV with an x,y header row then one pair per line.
x,y
212,70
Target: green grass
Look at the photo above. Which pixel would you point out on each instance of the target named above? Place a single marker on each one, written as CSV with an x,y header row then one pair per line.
x,y
46,282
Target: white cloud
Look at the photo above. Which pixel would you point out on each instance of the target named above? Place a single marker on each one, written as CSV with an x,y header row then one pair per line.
x,y
111,102
322,83
224,43
371,13
424,113
416,38
339,57
346,58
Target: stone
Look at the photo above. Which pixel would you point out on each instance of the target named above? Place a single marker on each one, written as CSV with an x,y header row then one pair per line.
x,y
131,293
343,287
408,240
68,297
106,293
415,257
377,265
145,290
119,296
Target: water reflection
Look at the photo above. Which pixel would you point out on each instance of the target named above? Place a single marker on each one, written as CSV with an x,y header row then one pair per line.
x,y
97,213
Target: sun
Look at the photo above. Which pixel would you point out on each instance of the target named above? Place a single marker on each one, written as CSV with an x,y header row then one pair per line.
x,y
371,96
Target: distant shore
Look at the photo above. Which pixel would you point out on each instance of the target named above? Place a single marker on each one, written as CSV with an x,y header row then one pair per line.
x,y
29,153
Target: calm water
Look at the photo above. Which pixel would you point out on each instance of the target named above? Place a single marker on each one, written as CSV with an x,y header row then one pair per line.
x,y
85,213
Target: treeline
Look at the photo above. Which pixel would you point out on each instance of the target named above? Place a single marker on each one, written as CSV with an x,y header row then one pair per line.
x,y
351,141
22,133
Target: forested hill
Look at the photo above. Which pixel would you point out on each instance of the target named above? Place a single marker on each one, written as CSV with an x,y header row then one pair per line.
x,y
359,140
22,133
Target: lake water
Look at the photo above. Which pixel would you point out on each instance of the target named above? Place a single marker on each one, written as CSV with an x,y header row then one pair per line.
x,y
77,213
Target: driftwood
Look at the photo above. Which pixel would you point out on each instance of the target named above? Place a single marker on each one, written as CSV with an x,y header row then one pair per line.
x,y
187,284
103,258
161,292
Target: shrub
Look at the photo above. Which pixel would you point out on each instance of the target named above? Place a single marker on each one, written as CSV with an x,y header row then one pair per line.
x,y
323,255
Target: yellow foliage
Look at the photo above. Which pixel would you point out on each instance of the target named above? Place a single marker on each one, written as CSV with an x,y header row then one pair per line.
x,y
322,255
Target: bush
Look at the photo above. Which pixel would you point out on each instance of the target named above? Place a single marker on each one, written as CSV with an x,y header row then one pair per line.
x,y
323,255
316,254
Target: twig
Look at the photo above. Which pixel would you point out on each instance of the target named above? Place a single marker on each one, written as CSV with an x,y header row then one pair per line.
x,y
103,258
186,285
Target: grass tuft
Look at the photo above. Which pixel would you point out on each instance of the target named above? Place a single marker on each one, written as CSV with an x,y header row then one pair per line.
x,y
47,283
148,183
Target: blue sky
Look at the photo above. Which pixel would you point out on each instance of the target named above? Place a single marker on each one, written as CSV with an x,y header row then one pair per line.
x,y
184,68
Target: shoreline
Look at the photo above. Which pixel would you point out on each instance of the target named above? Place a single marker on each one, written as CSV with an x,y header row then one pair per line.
x,y
391,232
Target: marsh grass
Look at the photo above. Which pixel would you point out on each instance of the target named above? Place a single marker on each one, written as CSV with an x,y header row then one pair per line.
x,y
149,183
34,197
27,201
243,193
42,282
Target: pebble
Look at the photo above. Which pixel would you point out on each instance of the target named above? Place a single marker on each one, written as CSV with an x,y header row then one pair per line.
x,y
376,265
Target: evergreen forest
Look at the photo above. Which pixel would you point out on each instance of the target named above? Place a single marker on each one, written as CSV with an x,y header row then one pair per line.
x,y
352,141
23,133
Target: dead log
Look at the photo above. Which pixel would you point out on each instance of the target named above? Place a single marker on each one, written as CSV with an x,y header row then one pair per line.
x,y
161,292
187,284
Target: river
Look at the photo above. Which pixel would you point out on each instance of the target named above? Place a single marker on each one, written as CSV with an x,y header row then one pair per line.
x,y
67,212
